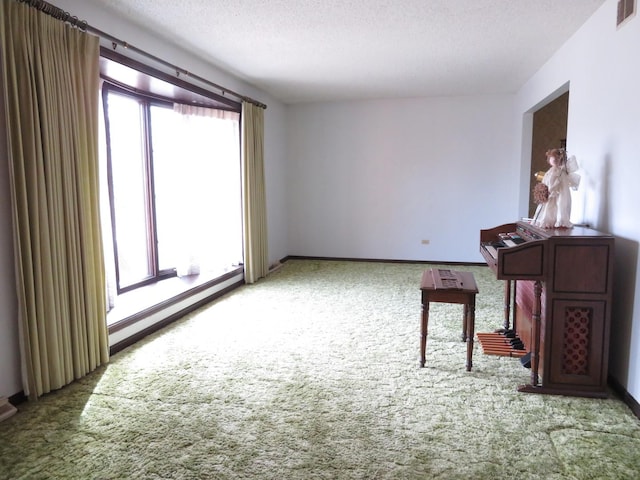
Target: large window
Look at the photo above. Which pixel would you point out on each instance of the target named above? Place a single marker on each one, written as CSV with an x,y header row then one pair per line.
x,y
173,173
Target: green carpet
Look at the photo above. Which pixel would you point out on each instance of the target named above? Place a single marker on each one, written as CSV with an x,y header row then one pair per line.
x,y
313,373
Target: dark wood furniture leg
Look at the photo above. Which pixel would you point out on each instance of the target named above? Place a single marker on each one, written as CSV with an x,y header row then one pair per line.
x,y
423,330
514,292
465,323
535,339
507,303
470,317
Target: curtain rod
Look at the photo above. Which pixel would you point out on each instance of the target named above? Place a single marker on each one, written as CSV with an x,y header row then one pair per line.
x,y
66,17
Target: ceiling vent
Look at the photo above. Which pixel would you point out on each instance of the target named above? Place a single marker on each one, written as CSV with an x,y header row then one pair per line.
x,y
626,9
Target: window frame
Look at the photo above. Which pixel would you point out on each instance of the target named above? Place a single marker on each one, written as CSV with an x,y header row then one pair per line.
x,y
126,76
152,83
145,103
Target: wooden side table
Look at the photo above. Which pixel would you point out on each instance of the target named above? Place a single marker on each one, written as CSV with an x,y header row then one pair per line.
x,y
449,286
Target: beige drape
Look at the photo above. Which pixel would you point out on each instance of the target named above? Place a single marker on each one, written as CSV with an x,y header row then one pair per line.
x,y
256,261
51,80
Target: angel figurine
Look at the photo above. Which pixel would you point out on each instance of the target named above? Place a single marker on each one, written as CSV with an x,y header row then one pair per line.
x,y
554,207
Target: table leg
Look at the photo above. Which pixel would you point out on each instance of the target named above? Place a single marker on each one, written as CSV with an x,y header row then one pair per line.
x,y
465,322
423,331
471,320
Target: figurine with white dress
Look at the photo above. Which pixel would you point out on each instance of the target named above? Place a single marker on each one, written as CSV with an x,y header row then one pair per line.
x,y
554,192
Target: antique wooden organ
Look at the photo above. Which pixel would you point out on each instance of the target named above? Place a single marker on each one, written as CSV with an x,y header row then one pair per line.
x,y
558,293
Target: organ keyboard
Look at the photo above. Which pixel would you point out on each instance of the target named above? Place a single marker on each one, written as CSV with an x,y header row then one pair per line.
x,y
558,291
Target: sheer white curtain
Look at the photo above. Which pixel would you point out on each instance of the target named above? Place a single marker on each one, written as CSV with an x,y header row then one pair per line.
x,y
201,201
111,284
197,191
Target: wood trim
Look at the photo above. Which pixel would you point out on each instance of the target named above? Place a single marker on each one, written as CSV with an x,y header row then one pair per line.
x,y
18,398
170,319
625,396
185,92
126,322
381,260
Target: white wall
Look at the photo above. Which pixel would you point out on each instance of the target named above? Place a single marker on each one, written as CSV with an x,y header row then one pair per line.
x,y
601,64
372,179
274,169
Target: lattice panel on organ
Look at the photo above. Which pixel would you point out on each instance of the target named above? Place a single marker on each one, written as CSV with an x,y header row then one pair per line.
x,y
577,327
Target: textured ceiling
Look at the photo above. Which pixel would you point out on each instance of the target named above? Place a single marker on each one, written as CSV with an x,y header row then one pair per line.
x,y
322,50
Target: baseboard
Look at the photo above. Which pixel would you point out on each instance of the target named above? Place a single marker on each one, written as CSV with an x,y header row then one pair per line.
x,y
381,260
164,304
625,396
130,340
18,398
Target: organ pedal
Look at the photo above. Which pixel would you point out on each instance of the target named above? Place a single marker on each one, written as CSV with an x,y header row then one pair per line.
x,y
503,343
